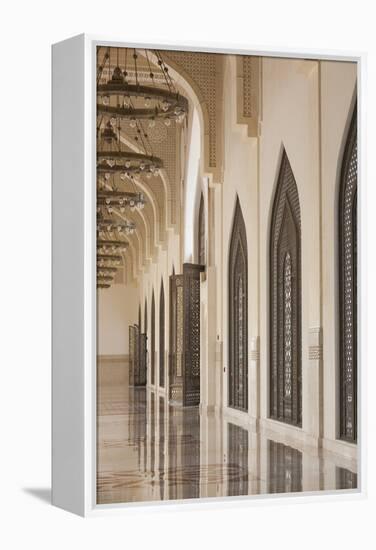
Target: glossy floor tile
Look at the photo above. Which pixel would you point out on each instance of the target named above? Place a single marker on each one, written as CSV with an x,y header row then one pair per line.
x,y
149,450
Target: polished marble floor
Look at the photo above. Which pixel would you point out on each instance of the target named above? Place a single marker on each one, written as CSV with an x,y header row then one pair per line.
x,y
149,450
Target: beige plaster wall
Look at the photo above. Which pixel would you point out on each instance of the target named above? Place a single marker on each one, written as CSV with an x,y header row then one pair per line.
x,y
117,308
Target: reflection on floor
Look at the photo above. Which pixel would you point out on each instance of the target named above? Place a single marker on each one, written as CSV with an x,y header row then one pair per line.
x,y
149,450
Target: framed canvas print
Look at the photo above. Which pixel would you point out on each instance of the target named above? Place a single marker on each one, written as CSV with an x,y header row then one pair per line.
x,y
206,281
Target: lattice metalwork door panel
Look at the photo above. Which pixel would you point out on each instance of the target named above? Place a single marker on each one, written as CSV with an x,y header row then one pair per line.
x,y
176,339
132,353
238,315
191,337
136,355
285,301
348,286
141,379
162,338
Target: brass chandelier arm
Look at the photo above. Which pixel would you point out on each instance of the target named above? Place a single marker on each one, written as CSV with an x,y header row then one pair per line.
x,y
109,257
116,195
173,104
108,161
109,269
131,155
122,244
109,221
108,278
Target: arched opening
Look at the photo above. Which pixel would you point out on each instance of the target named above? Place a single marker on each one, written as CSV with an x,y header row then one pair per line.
x,y
285,300
238,314
152,341
201,233
162,337
347,224
145,317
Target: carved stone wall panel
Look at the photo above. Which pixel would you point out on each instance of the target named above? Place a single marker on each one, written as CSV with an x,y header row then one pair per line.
x,y
142,234
168,150
248,92
204,72
149,216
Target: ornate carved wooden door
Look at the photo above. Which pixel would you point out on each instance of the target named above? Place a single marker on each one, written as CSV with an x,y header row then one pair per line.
x,y
184,366
348,285
238,314
176,339
285,301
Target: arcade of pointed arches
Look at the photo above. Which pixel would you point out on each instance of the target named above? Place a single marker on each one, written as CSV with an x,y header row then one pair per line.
x,y
241,296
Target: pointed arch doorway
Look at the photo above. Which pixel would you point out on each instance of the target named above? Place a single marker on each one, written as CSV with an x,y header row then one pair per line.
x,y
238,314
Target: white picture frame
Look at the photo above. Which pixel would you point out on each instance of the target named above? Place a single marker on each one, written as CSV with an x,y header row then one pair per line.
x,y
74,276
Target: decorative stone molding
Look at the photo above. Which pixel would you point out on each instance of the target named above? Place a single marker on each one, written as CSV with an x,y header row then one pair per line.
x,y
315,347
315,353
254,353
248,70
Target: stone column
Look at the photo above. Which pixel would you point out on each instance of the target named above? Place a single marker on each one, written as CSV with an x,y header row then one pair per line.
x,y
314,391
253,380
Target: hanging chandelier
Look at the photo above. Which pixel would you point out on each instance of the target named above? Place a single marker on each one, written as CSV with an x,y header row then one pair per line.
x,y
133,94
108,247
120,199
127,163
108,260
114,159
105,278
107,270
109,226
121,93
